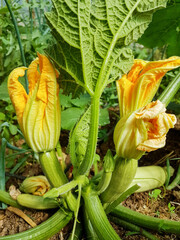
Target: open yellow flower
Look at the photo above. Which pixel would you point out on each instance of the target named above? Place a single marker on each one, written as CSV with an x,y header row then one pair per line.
x,y
143,130
38,112
138,87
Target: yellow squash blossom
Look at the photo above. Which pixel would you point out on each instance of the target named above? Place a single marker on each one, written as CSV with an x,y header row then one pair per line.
x,y
37,185
138,87
143,130
38,112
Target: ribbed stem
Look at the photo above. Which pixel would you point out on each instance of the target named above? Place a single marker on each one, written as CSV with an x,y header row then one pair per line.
x,y
6,198
133,227
55,175
97,216
121,198
52,169
90,232
122,176
93,135
36,202
170,90
45,230
161,225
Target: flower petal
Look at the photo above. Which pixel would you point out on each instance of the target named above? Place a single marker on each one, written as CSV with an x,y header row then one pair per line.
x,y
49,84
151,110
41,120
150,78
17,92
152,144
33,74
138,87
125,87
142,130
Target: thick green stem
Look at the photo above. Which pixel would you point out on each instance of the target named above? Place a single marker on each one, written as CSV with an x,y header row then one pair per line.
x,y
90,232
19,42
93,135
36,202
133,227
121,198
55,175
122,176
6,198
97,216
52,169
170,90
161,225
45,230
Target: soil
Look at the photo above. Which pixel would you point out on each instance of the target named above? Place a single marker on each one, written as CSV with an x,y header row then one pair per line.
x,y
10,223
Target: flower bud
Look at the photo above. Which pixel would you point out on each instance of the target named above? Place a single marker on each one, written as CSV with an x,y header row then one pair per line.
x,y
37,185
38,112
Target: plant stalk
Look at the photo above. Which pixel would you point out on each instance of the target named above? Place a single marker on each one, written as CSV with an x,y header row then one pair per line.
x,y
160,225
133,227
55,175
36,202
97,216
6,198
90,232
122,176
52,169
45,230
170,90
121,198
93,135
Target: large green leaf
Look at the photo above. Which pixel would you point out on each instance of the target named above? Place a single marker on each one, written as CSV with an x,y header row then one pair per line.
x,y
164,30
69,117
93,37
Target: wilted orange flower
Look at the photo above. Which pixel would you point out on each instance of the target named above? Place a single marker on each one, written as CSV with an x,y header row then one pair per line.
x,y
143,130
138,87
38,112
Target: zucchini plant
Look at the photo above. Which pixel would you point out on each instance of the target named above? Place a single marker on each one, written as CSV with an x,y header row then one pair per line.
x,y
91,51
